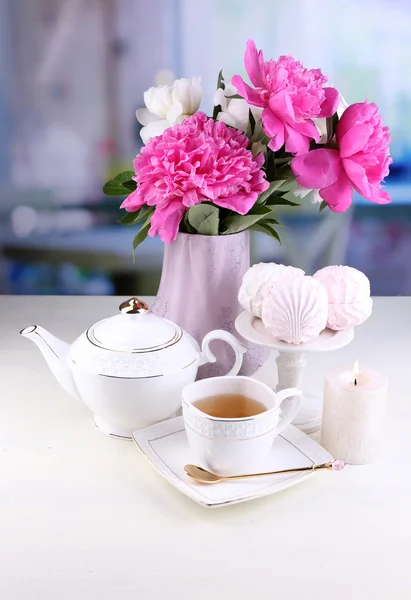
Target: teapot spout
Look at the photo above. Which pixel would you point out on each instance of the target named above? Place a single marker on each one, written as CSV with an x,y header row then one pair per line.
x,y
55,352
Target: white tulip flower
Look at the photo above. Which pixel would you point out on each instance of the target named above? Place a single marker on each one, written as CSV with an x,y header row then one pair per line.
x,y
301,192
234,111
167,105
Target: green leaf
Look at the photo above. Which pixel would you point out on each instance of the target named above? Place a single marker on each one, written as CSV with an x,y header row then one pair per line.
x,y
185,226
285,172
264,228
274,185
121,185
258,148
275,200
237,223
269,221
124,176
217,109
220,80
204,218
251,121
236,97
277,194
220,84
141,234
270,167
281,161
132,218
260,209
331,124
323,205
259,135
130,185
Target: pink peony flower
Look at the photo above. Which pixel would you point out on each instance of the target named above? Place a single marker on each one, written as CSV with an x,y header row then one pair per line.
x,y
195,161
360,162
291,96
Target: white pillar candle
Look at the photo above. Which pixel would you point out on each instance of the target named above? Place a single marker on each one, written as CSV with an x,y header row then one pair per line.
x,y
353,414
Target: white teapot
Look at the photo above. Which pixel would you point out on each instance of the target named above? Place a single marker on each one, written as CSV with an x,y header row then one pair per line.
x,y
130,369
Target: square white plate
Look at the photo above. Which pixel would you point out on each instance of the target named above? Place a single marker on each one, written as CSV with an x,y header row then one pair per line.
x,y
166,447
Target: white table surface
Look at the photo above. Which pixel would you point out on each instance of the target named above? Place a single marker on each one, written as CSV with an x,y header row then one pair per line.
x,y
85,516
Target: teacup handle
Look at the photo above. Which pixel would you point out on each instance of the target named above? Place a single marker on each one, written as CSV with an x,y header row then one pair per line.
x,y
291,410
219,334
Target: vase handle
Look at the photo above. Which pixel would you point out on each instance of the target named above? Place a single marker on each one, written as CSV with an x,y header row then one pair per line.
x,y
219,334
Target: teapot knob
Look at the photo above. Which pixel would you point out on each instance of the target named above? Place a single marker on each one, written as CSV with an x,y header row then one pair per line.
x,y
134,306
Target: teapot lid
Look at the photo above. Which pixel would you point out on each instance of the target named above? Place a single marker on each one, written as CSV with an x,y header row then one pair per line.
x,y
135,329
134,344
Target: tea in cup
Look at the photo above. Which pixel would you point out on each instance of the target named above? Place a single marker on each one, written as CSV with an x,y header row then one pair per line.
x,y
231,422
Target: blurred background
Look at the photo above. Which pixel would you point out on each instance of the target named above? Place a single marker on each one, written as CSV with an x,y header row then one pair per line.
x,y
72,74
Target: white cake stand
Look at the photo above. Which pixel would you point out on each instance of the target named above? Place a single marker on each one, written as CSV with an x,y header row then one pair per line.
x,y
292,360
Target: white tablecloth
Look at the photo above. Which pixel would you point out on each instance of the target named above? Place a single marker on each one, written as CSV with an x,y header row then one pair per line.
x,y
85,516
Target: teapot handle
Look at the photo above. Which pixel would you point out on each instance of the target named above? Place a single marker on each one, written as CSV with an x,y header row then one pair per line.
x,y
219,334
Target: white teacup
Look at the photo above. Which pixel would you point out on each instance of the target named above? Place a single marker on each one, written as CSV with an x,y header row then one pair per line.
x,y
233,446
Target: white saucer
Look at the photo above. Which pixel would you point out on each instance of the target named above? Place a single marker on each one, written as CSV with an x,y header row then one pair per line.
x,y
252,329
165,446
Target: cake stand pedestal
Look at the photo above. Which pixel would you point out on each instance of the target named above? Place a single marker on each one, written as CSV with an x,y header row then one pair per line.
x,y
291,362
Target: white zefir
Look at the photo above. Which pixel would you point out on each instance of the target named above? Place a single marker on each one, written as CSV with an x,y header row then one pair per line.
x,y
295,309
349,301
257,281
353,414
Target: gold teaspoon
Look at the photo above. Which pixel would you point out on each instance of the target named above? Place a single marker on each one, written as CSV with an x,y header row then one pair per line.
x,y
203,476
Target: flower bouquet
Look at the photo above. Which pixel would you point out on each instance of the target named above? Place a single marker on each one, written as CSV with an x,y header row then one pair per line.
x,y
202,182
229,172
